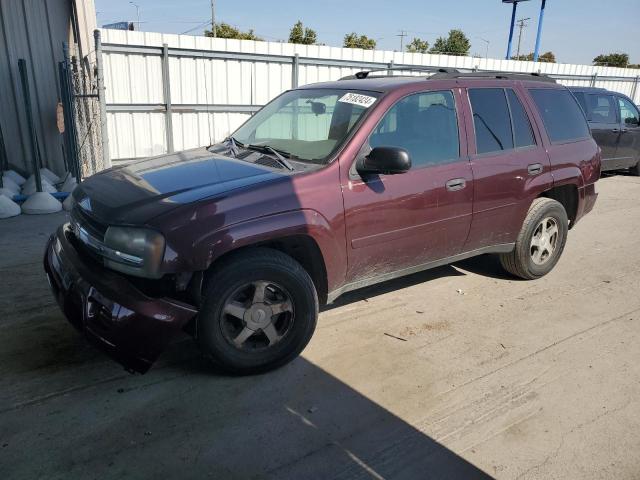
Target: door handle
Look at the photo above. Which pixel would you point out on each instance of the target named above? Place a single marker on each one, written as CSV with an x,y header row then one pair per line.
x,y
456,184
534,168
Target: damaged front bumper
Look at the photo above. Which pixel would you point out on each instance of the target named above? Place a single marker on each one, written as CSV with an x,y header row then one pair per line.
x,y
130,326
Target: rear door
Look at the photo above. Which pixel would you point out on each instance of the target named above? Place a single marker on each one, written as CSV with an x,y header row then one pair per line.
x,y
605,125
629,143
510,166
395,222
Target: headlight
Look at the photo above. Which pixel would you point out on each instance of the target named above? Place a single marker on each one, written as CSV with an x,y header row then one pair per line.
x,y
136,251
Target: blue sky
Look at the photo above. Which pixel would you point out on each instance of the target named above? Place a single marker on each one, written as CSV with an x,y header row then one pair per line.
x,y
575,30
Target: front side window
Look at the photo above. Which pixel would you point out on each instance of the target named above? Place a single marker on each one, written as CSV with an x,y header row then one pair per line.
x,y
602,109
628,112
562,116
425,125
491,120
307,124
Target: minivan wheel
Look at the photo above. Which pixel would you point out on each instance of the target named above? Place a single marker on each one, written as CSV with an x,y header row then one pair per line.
x,y
540,241
259,311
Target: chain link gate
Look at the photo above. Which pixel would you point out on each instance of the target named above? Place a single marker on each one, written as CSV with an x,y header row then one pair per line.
x,y
85,123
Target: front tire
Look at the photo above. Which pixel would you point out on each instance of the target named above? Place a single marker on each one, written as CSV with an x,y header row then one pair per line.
x,y
259,311
540,242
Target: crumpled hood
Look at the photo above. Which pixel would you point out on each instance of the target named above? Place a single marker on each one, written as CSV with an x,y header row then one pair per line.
x,y
139,191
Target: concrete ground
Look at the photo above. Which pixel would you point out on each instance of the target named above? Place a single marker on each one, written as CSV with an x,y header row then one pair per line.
x,y
460,372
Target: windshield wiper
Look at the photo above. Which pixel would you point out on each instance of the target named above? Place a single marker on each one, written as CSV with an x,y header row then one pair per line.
x,y
277,153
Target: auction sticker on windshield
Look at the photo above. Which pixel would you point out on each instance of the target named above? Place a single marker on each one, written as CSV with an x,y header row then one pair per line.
x,y
358,99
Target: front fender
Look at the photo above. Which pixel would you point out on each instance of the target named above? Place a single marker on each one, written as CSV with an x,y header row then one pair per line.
x,y
272,227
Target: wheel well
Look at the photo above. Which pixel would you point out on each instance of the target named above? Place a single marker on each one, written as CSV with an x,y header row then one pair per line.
x,y
567,195
303,249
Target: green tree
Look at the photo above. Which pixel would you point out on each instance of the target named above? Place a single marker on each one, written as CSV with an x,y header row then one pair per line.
x,y
352,40
418,45
456,43
299,34
547,57
612,60
224,30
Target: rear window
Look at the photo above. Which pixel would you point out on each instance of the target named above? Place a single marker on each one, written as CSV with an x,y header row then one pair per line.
x,y
562,116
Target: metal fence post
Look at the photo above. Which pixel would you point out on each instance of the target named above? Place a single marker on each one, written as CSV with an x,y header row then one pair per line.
x,y
295,71
35,151
594,78
104,130
389,68
634,90
166,91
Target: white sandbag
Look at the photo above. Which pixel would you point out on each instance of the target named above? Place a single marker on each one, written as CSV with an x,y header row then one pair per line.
x,y
10,184
7,193
49,175
15,176
41,202
69,184
68,203
30,189
8,208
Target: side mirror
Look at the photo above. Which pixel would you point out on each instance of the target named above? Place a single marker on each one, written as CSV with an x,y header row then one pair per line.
x,y
384,160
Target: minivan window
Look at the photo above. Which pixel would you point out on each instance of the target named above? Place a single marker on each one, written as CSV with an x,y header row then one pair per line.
x,y
425,125
603,109
522,133
491,120
628,112
562,116
307,124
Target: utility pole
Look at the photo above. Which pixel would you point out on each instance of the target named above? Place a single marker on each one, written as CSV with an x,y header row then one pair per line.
x,y
213,18
522,23
402,34
137,13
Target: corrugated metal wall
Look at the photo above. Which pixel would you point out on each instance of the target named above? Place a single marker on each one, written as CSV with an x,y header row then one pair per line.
x,y
34,30
201,87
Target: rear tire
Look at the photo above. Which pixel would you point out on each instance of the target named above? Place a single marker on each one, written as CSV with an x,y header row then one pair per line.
x,y
259,311
540,242
635,170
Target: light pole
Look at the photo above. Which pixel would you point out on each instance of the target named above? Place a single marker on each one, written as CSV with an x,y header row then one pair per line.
x,y
522,23
513,22
486,56
537,50
137,13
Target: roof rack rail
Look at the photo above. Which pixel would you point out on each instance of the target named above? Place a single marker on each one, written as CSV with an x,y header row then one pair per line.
x,y
436,70
497,74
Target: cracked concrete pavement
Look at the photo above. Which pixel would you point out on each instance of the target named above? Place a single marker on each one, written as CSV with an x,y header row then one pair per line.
x,y
460,372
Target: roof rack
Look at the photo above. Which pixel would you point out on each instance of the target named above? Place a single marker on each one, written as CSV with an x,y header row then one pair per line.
x,y
442,73
538,77
365,73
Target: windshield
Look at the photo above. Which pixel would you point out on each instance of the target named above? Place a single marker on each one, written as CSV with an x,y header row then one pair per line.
x,y
306,124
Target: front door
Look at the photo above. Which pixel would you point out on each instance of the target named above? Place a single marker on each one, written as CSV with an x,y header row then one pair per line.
x,y
399,221
629,143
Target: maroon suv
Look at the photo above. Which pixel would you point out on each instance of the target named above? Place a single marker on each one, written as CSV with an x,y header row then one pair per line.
x,y
329,188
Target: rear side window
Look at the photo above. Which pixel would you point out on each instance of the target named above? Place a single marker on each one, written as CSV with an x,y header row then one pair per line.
x,y
522,133
603,109
562,116
491,120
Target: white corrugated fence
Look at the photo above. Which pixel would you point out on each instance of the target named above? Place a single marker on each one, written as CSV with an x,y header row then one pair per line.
x,y
168,92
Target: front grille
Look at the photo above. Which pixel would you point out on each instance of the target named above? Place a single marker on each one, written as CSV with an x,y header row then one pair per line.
x,y
94,227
